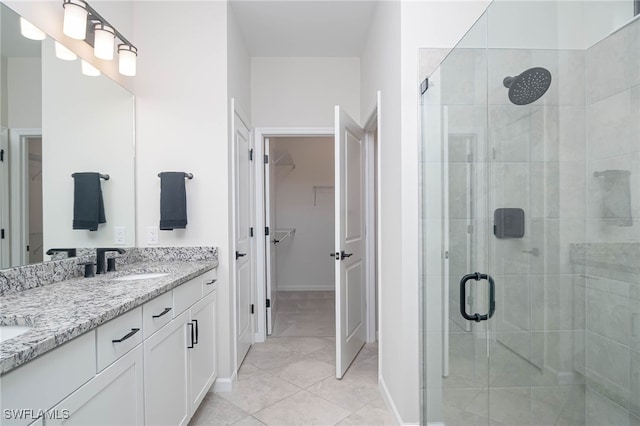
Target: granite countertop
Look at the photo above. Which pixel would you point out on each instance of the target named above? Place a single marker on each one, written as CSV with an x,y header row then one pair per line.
x,y
60,311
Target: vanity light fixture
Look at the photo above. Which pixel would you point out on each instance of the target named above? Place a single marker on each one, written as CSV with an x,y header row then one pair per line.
x,y
82,22
30,31
88,69
103,42
64,53
75,19
127,56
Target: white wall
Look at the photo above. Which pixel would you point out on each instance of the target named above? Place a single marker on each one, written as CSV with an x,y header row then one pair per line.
x,y
303,262
301,92
181,125
381,71
24,93
239,66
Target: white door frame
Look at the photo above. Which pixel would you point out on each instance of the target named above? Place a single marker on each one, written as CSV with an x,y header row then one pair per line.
x,y
237,110
19,193
5,257
260,133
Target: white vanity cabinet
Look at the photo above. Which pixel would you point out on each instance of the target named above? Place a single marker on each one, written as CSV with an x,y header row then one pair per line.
x,y
180,358
202,357
112,397
152,365
166,389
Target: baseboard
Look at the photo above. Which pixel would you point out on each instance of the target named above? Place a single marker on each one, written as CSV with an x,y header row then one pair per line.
x,y
307,288
386,397
223,384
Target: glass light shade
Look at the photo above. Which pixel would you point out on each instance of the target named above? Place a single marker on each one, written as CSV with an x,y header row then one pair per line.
x,y
104,41
75,19
90,70
127,56
64,53
30,31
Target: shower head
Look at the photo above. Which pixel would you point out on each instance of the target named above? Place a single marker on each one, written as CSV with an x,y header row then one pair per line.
x,y
529,86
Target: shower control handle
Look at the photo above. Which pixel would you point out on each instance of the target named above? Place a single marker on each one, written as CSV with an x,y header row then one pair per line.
x,y
477,276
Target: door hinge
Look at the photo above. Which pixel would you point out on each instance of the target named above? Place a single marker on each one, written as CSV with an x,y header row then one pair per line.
x,y
251,154
2,234
266,159
268,303
2,155
251,231
469,158
27,248
469,229
252,308
266,230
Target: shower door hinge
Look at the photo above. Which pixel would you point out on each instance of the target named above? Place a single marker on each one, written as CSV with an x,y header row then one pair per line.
x,y
252,308
424,86
268,303
2,155
469,229
251,231
266,159
266,230
446,254
470,158
251,154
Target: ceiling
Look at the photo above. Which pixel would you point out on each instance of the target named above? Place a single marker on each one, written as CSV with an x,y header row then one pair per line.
x,y
306,28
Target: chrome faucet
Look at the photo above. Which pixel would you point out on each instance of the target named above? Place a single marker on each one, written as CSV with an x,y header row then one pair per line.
x,y
101,261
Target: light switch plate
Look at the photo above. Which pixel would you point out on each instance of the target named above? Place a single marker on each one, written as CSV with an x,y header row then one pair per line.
x,y
152,235
119,235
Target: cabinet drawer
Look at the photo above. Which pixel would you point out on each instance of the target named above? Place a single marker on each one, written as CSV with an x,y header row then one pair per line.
x,y
41,383
118,336
186,295
209,280
156,313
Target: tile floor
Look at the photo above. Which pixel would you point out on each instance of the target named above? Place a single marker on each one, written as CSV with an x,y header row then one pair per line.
x,y
290,379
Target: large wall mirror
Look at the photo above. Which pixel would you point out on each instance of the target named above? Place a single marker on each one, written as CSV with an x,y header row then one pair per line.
x,y
56,121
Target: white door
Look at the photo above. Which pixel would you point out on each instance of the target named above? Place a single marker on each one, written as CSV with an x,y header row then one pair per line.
x,y
242,235
350,240
270,247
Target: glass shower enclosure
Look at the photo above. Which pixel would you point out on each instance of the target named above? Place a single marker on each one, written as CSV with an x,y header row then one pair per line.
x,y
531,219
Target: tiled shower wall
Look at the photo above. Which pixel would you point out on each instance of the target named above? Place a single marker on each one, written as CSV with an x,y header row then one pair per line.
x,y
612,254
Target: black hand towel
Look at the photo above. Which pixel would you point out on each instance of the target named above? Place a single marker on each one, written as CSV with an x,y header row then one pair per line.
x,y
173,201
88,205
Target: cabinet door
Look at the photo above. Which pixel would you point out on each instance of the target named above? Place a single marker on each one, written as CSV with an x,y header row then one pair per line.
x,y
113,397
165,375
202,358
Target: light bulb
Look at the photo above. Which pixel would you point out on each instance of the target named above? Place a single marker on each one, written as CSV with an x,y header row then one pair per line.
x,y
127,56
75,19
64,53
90,70
30,31
103,41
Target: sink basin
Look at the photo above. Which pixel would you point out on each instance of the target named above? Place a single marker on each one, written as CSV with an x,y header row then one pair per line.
x,y
10,331
135,277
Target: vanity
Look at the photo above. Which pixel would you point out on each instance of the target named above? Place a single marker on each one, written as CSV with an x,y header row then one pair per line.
x,y
132,347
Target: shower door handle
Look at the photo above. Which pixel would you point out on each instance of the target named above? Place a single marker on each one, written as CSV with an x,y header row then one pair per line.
x,y
477,276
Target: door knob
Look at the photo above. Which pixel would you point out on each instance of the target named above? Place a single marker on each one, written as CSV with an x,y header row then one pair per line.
x,y
238,255
343,255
